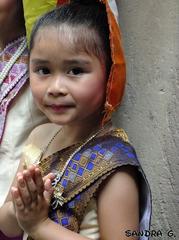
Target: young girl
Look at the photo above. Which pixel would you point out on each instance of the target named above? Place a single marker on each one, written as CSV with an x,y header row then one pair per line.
x,y
93,185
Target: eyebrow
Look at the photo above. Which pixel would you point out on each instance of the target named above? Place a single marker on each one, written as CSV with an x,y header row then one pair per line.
x,y
39,61
65,62
78,61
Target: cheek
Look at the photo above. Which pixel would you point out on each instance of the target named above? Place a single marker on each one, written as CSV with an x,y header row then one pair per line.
x,y
36,89
91,94
98,95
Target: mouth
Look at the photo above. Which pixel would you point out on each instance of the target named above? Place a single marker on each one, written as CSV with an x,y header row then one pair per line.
x,y
59,108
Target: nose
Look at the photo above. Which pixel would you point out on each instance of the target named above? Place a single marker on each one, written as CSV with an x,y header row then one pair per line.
x,y
57,87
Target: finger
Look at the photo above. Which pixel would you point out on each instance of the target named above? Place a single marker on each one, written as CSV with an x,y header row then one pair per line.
x,y
30,184
17,200
23,190
48,190
48,185
39,181
31,168
50,176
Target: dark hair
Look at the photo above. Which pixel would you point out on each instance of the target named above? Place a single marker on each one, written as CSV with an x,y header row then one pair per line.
x,y
87,15
20,15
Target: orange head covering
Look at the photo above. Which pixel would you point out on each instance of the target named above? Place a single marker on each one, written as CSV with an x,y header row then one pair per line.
x,y
117,77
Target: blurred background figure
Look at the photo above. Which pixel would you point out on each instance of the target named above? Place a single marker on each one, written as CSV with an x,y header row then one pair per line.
x,y
18,114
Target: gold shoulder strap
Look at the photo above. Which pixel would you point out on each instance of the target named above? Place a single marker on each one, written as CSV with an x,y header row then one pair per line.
x,y
119,132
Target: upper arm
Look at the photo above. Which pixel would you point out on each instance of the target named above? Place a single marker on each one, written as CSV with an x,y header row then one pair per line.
x,y
118,205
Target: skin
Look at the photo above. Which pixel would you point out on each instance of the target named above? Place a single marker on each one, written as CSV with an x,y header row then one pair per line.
x,y
80,85
120,208
70,80
11,17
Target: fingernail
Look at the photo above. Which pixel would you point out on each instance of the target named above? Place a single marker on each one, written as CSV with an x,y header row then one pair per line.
x,y
13,189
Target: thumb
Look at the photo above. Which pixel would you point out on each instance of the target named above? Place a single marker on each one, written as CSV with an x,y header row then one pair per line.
x,y
50,176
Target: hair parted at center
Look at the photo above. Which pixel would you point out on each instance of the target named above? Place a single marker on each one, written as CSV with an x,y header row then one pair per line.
x,y
86,22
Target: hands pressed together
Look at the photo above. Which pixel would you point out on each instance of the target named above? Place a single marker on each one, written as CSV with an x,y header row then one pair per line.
x,y
31,198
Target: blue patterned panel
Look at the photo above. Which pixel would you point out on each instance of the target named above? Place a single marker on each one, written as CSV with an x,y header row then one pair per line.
x,y
93,156
64,221
53,216
70,163
131,155
71,204
66,173
90,166
78,197
64,183
102,151
87,153
74,166
119,145
108,155
83,161
89,159
114,149
77,157
72,176
97,147
80,171
126,149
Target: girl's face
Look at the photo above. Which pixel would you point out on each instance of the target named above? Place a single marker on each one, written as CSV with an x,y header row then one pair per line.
x,y
68,86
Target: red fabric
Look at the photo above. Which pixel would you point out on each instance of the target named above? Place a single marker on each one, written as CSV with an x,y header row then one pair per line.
x,y
59,2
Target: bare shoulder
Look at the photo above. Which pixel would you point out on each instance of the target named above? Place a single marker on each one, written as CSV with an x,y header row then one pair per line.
x,y
124,180
42,133
118,204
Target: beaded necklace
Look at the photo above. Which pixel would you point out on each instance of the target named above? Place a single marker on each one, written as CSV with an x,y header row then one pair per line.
x,y
12,61
58,199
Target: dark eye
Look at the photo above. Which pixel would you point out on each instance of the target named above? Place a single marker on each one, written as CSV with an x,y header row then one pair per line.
x,y
76,71
43,71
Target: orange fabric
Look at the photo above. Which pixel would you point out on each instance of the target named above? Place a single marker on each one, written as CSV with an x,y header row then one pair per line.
x,y
117,77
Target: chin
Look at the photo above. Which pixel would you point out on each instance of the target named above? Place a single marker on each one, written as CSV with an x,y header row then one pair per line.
x,y
59,120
